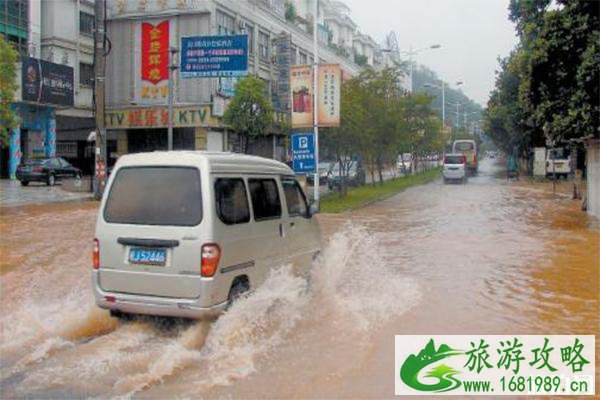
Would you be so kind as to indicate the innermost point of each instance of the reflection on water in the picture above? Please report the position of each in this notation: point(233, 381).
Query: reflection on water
point(490, 257)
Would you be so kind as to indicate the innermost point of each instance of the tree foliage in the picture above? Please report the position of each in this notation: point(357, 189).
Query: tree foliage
point(378, 122)
point(250, 112)
point(8, 86)
point(549, 86)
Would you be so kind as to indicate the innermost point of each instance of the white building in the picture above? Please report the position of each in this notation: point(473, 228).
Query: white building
point(133, 114)
point(593, 177)
point(58, 32)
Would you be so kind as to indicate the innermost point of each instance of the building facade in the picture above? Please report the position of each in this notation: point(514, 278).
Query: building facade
point(55, 78)
point(137, 110)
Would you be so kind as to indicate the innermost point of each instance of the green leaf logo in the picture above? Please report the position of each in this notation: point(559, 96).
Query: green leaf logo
point(409, 372)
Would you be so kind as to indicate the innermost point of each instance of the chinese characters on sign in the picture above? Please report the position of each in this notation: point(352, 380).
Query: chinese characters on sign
point(301, 87)
point(45, 82)
point(214, 56)
point(330, 80)
point(303, 153)
point(154, 62)
point(505, 365)
point(158, 117)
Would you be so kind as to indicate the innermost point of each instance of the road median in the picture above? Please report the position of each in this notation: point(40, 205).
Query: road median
point(368, 194)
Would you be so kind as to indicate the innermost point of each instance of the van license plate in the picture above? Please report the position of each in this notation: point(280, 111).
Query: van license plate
point(148, 256)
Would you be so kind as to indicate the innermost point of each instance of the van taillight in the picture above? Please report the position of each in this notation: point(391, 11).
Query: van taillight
point(211, 254)
point(96, 254)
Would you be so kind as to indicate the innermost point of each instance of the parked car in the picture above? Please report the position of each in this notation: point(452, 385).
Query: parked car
point(404, 163)
point(324, 170)
point(469, 149)
point(455, 168)
point(48, 170)
point(176, 236)
point(355, 175)
point(558, 162)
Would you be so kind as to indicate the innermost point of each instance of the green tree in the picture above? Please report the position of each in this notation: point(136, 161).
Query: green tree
point(250, 112)
point(8, 86)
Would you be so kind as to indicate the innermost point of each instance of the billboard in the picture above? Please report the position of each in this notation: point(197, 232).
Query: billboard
point(329, 81)
point(301, 89)
point(153, 40)
point(46, 83)
point(214, 56)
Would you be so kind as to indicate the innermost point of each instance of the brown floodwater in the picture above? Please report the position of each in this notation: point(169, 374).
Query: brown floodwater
point(490, 257)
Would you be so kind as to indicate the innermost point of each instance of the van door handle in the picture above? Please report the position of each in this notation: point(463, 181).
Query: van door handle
point(292, 224)
point(281, 230)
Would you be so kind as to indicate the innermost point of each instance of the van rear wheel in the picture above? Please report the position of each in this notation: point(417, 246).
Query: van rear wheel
point(238, 289)
point(121, 316)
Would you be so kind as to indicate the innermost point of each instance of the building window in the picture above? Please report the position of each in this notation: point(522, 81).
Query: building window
point(86, 74)
point(294, 53)
point(303, 58)
point(225, 24)
point(14, 23)
point(86, 23)
point(249, 30)
point(263, 46)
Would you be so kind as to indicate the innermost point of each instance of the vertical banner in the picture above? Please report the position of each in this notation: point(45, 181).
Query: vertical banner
point(152, 83)
point(301, 83)
point(329, 81)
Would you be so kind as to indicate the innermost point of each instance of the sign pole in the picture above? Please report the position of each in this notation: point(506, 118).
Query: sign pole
point(100, 167)
point(172, 68)
point(316, 100)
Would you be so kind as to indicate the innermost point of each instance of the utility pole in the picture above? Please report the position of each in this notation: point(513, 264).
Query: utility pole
point(316, 99)
point(99, 84)
point(172, 68)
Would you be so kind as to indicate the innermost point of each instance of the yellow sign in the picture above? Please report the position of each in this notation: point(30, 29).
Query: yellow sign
point(158, 117)
point(330, 80)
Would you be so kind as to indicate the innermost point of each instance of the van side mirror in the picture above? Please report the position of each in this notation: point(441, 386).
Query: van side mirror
point(313, 209)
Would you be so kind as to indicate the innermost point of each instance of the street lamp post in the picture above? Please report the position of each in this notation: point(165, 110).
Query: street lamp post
point(315, 100)
point(443, 87)
point(411, 53)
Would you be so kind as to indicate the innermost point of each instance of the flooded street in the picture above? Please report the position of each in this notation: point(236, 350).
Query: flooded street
point(490, 257)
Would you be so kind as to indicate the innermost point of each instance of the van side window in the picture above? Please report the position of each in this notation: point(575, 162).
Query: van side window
point(265, 198)
point(294, 197)
point(231, 201)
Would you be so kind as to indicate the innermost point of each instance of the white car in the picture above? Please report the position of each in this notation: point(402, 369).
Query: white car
point(558, 162)
point(404, 163)
point(455, 168)
point(184, 233)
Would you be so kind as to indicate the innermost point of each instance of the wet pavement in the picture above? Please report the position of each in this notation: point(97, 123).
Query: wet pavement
point(13, 194)
point(489, 257)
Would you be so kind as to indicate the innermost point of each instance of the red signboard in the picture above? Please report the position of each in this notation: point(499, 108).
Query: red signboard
point(155, 52)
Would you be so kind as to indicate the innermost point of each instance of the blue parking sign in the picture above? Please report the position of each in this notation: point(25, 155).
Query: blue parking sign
point(303, 153)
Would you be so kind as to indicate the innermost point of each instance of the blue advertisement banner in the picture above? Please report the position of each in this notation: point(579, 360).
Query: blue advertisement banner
point(214, 56)
point(303, 153)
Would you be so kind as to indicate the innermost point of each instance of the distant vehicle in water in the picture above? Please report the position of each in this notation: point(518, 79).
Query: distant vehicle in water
point(455, 168)
point(355, 175)
point(469, 149)
point(324, 172)
point(558, 162)
point(184, 234)
point(48, 170)
point(404, 163)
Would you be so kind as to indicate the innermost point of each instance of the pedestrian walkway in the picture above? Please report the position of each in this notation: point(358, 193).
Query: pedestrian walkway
point(13, 194)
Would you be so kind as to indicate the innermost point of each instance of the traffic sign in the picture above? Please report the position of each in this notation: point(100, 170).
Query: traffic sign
point(303, 153)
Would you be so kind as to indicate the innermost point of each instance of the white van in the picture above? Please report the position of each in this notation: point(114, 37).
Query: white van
point(184, 233)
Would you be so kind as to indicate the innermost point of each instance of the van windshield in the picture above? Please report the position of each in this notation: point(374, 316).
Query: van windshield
point(155, 196)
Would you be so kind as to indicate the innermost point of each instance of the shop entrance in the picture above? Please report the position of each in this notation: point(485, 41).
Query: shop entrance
point(143, 140)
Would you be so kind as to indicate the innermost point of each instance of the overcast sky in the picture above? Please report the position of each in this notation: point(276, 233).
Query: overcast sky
point(472, 33)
